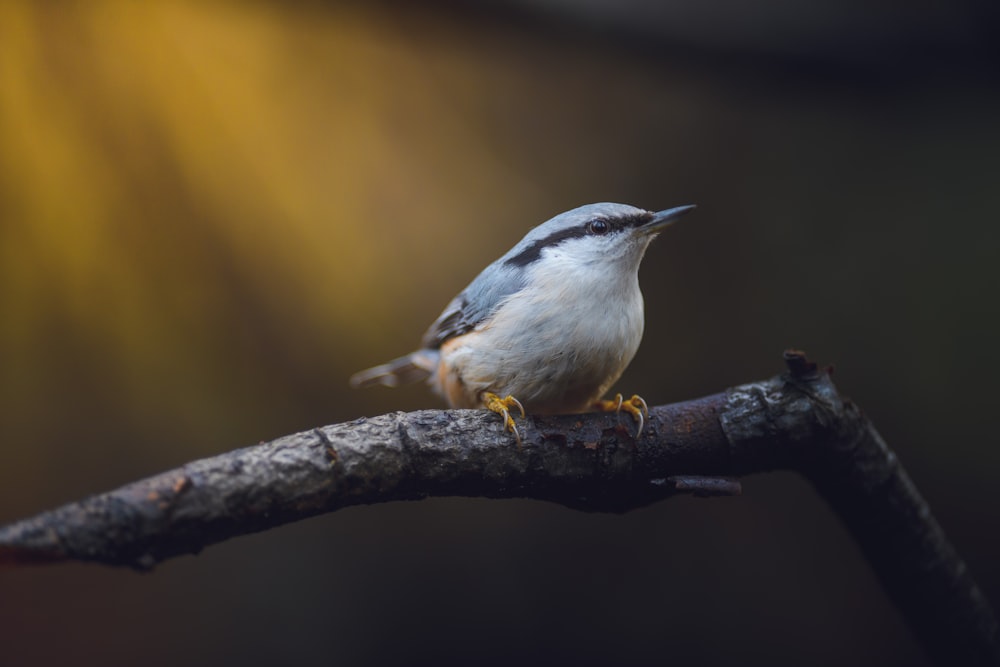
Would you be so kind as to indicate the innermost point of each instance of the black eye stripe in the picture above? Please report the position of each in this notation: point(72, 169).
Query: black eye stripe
point(534, 251)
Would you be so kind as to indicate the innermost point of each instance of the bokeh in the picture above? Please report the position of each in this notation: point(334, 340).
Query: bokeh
point(211, 214)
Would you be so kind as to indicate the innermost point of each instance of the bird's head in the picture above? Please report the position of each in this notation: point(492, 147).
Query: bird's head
point(595, 235)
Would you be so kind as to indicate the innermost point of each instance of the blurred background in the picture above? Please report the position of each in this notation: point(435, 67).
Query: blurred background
point(211, 214)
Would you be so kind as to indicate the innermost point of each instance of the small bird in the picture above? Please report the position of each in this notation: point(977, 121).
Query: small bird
point(549, 327)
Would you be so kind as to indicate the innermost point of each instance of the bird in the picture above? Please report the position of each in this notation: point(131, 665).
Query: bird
point(548, 327)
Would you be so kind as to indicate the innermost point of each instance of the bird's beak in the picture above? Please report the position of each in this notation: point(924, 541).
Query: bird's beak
point(661, 219)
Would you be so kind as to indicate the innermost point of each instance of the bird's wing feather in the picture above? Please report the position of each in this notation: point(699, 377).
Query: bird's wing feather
point(475, 303)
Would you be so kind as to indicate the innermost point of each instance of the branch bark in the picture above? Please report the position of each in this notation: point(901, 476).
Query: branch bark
point(796, 421)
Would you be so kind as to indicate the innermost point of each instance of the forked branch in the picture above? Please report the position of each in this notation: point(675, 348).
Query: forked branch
point(796, 421)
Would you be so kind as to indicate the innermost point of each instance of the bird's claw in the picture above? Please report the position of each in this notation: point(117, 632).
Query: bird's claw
point(502, 407)
point(635, 406)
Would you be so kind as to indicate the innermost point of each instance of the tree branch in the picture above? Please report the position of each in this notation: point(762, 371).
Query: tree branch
point(796, 421)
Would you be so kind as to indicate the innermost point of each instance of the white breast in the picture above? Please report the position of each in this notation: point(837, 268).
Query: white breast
point(558, 345)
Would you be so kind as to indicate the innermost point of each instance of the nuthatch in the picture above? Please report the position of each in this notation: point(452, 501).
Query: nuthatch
point(550, 326)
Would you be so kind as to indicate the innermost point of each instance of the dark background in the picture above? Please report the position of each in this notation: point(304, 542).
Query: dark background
point(211, 214)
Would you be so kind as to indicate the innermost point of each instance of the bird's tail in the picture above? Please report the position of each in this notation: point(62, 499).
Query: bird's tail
point(412, 368)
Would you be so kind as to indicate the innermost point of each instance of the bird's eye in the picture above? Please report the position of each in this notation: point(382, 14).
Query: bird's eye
point(599, 227)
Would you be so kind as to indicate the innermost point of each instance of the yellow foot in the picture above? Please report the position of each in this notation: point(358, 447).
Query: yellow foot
point(502, 407)
point(635, 406)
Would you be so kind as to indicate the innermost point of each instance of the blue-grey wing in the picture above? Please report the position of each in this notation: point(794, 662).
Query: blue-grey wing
point(475, 303)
